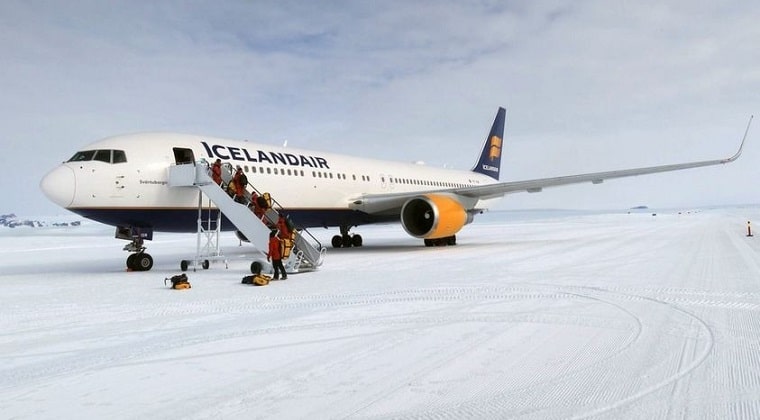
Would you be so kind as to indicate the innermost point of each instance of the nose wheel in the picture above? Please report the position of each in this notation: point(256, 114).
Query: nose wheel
point(139, 262)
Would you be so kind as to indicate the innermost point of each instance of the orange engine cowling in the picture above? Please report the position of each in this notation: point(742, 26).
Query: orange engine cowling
point(433, 216)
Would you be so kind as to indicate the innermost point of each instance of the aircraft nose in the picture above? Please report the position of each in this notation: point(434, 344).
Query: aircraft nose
point(59, 185)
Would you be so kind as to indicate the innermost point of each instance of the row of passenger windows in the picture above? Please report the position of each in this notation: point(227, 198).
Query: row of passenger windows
point(407, 181)
point(107, 156)
point(300, 172)
point(363, 178)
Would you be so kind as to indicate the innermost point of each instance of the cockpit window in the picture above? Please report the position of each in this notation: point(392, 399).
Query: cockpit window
point(107, 156)
point(103, 156)
point(119, 156)
point(82, 156)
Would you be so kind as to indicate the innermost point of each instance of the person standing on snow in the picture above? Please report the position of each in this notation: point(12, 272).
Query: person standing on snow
point(275, 255)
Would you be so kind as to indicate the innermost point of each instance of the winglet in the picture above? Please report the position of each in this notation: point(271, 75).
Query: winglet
point(741, 146)
point(489, 162)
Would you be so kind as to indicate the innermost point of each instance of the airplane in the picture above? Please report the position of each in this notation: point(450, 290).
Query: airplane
point(122, 181)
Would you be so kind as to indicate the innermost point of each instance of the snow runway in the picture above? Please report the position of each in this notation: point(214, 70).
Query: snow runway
point(564, 316)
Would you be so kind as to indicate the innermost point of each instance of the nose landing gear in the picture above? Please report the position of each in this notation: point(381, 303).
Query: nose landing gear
point(138, 260)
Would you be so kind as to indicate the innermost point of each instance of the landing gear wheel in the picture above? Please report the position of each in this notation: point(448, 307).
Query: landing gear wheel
point(205, 264)
point(337, 241)
point(131, 261)
point(143, 262)
point(256, 267)
point(183, 265)
point(356, 240)
point(447, 241)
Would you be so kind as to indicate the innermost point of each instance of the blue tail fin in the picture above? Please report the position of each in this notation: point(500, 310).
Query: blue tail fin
point(490, 158)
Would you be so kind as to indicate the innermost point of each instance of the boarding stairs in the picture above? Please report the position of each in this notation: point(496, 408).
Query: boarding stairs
point(310, 251)
point(307, 254)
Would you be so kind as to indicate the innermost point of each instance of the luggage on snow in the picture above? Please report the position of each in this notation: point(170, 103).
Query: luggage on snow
point(257, 280)
point(179, 281)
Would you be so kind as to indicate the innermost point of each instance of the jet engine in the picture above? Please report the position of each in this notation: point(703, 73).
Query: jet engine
point(434, 216)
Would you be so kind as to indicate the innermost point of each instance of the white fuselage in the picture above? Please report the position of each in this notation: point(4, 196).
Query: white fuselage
point(317, 188)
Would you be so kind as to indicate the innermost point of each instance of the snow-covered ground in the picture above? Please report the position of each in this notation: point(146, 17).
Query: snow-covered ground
point(561, 316)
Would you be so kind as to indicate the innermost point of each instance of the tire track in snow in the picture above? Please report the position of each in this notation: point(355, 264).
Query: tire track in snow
point(500, 403)
point(682, 370)
point(394, 329)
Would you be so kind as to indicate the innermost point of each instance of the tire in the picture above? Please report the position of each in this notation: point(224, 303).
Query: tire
point(256, 267)
point(143, 262)
point(356, 240)
point(337, 241)
point(428, 242)
point(183, 265)
point(131, 261)
point(205, 264)
point(451, 240)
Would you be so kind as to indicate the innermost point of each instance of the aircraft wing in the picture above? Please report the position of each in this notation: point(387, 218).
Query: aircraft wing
point(384, 203)
point(536, 185)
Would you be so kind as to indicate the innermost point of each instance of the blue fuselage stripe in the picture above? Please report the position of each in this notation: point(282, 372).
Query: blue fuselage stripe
point(185, 220)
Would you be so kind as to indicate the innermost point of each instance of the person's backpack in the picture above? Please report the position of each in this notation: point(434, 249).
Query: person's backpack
point(179, 281)
point(267, 200)
point(286, 246)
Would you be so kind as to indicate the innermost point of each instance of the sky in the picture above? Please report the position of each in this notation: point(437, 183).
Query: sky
point(588, 86)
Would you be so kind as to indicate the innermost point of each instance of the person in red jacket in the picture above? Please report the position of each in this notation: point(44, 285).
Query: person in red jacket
point(241, 182)
point(216, 172)
point(282, 226)
point(275, 255)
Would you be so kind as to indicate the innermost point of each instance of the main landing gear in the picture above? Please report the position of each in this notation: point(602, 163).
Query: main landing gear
point(345, 239)
point(447, 241)
point(139, 260)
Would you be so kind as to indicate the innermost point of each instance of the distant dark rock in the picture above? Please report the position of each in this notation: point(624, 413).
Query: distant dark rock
point(12, 221)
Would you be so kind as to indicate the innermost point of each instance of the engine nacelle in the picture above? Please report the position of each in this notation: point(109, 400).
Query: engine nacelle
point(433, 216)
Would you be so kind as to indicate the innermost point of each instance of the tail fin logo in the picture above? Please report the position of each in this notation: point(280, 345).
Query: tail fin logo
point(489, 162)
point(495, 150)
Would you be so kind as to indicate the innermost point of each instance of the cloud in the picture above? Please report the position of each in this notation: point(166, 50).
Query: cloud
point(589, 85)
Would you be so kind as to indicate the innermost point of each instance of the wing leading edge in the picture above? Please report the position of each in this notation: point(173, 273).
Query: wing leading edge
point(383, 203)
